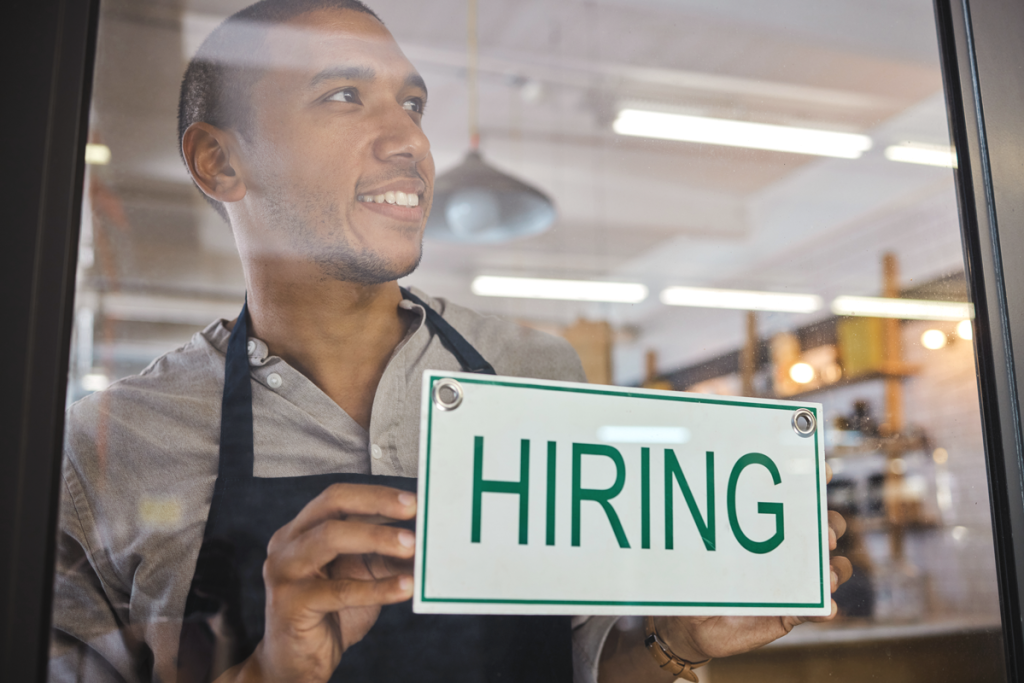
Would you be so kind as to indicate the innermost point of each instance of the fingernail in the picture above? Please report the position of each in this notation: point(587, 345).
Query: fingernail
point(405, 582)
point(406, 538)
point(835, 580)
point(406, 498)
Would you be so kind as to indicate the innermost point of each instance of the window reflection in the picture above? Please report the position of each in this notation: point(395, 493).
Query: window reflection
point(727, 176)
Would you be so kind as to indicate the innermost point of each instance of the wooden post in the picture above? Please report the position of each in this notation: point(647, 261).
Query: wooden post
point(748, 356)
point(893, 425)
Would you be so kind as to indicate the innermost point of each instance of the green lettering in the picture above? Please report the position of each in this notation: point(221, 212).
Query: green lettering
point(706, 528)
point(645, 497)
point(759, 547)
point(551, 494)
point(520, 488)
point(600, 496)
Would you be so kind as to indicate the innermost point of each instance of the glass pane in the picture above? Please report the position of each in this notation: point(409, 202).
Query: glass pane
point(747, 172)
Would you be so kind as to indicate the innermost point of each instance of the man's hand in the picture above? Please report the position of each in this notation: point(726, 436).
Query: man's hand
point(624, 657)
point(327, 574)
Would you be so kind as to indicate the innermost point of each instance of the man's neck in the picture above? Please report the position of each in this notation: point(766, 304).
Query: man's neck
point(338, 334)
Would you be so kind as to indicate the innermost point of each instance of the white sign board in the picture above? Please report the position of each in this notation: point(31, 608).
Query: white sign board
point(539, 497)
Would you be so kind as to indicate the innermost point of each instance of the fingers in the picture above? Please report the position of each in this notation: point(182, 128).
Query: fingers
point(325, 595)
point(828, 473)
point(341, 500)
point(307, 554)
point(843, 569)
point(837, 526)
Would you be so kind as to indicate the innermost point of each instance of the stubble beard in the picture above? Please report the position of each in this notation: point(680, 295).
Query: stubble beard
point(324, 241)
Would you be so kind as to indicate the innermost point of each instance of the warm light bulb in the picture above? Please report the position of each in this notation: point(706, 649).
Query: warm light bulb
point(933, 339)
point(964, 330)
point(801, 373)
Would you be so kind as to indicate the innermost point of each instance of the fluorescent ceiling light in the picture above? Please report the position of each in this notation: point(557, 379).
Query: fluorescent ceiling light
point(907, 309)
point(740, 299)
point(631, 434)
point(570, 290)
point(652, 124)
point(96, 154)
point(918, 153)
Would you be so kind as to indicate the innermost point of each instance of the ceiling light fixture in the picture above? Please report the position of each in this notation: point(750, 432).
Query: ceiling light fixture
point(703, 297)
point(965, 330)
point(906, 309)
point(97, 154)
point(933, 339)
point(567, 290)
point(919, 153)
point(801, 373)
point(474, 203)
point(653, 124)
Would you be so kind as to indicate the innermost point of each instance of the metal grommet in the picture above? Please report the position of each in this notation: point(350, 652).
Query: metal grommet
point(447, 394)
point(804, 422)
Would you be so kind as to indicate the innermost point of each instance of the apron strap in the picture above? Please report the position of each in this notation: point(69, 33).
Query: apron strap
point(236, 444)
point(468, 357)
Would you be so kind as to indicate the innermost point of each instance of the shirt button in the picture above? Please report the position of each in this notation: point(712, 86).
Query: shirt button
point(376, 452)
point(274, 380)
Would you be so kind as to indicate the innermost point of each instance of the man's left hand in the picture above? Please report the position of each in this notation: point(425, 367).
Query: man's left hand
point(697, 639)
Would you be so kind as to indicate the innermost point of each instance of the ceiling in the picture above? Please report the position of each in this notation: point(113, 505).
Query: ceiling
point(553, 76)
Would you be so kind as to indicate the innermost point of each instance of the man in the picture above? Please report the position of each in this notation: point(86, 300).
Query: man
point(227, 512)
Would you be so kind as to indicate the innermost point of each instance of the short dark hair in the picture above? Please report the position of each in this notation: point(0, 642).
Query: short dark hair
point(219, 78)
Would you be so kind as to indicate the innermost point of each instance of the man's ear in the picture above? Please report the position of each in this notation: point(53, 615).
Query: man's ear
point(208, 153)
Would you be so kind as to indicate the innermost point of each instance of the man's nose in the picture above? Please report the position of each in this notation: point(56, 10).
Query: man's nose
point(401, 137)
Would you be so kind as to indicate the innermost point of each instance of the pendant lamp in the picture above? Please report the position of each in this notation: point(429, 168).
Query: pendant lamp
point(475, 203)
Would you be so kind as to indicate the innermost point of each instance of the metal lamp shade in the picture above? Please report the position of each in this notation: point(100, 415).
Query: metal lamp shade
point(477, 204)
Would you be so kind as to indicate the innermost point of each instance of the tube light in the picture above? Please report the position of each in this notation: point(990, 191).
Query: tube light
point(652, 124)
point(906, 309)
point(631, 434)
point(740, 299)
point(918, 153)
point(97, 154)
point(569, 290)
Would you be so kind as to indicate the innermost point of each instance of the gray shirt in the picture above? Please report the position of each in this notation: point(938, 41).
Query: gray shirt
point(141, 461)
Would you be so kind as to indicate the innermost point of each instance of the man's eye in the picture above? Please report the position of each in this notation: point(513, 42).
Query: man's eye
point(415, 104)
point(346, 95)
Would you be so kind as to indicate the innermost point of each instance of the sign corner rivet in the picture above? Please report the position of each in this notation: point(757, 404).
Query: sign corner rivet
point(447, 394)
point(804, 422)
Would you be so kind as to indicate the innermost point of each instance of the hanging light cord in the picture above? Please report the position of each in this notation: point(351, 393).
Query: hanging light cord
point(471, 76)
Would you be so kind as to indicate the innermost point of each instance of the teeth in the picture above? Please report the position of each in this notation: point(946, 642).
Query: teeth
point(396, 197)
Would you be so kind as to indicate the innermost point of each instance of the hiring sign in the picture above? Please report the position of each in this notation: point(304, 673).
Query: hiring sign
point(540, 497)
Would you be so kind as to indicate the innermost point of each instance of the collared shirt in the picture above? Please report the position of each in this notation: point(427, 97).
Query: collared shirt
point(141, 460)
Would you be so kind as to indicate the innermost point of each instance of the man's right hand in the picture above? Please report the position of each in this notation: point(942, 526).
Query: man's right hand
point(327, 574)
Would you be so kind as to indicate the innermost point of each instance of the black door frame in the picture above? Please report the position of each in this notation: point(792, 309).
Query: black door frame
point(50, 70)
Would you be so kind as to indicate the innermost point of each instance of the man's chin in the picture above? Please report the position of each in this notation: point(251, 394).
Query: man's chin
point(369, 268)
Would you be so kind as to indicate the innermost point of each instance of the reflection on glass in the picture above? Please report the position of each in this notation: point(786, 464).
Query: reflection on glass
point(752, 199)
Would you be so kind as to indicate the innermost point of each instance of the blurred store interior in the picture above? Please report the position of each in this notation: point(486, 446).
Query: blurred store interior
point(556, 84)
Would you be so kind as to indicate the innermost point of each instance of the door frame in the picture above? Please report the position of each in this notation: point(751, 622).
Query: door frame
point(52, 60)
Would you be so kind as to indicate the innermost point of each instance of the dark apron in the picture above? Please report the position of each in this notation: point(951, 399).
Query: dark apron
point(224, 612)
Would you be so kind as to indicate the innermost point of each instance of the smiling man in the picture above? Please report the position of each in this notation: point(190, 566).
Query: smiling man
point(236, 511)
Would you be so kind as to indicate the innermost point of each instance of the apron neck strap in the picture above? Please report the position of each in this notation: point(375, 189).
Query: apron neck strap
point(468, 357)
point(236, 443)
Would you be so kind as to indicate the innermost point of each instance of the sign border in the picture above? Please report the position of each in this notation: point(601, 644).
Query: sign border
point(660, 396)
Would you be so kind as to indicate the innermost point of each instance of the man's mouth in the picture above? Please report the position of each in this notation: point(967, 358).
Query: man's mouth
point(390, 197)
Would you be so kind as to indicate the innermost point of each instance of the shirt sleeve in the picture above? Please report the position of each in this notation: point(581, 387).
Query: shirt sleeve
point(88, 640)
point(588, 636)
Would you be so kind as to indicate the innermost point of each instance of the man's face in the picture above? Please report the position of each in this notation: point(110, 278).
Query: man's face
point(338, 170)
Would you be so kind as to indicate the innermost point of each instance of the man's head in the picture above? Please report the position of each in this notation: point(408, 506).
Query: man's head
point(295, 116)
